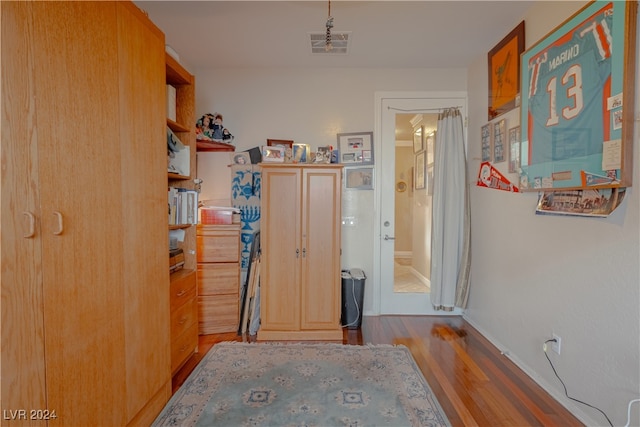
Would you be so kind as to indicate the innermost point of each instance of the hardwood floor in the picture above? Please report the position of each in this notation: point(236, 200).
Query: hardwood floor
point(474, 383)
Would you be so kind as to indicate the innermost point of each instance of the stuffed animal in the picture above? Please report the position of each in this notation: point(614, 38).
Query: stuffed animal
point(210, 128)
point(217, 127)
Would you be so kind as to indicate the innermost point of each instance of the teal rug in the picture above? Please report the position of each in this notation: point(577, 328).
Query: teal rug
point(269, 384)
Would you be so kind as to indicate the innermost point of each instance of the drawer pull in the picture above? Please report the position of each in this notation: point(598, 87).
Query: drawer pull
point(183, 320)
point(181, 293)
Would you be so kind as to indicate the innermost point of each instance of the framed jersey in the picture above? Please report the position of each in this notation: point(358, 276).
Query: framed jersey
point(577, 101)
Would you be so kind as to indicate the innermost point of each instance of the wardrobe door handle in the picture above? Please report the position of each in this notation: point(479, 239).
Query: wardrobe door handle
point(60, 229)
point(32, 225)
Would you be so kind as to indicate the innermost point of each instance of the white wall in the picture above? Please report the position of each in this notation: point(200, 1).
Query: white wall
point(578, 277)
point(311, 106)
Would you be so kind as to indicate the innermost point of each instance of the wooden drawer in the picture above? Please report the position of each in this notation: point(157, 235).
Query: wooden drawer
point(218, 313)
point(183, 288)
point(218, 243)
point(183, 347)
point(183, 317)
point(216, 279)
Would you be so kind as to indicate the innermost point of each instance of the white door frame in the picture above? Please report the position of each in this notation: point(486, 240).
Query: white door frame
point(406, 304)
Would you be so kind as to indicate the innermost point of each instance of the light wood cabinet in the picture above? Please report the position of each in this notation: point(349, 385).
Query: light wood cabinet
point(184, 309)
point(300, 264)
point(218, 278)
point(85, 316)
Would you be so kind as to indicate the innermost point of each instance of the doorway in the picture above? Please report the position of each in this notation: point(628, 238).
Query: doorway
point(391, 107)
point(412, 245)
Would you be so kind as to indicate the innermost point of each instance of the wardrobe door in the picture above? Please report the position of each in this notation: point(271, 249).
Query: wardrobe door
point(23, 364)
point(281, 248)
point(80, 179)
point(321, 225)
point(144, 262)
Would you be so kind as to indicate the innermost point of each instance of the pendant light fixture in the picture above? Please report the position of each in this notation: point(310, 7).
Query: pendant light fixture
point(328, 46)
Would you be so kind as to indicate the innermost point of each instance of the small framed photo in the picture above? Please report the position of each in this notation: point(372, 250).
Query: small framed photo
point(514, 149)
point(241, 158)
point(420, 170)
point(288, 147)
point(418, 139)
point(499, 136)
point(323, 155)
point(356, 148)
point(485, 138)
point(301, 153)
point(430, 144)
point(359, 178)
point(272, 154)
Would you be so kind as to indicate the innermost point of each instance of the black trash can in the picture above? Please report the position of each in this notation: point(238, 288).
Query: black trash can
point(352, 297)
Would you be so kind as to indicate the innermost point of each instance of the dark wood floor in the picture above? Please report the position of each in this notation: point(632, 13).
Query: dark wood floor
point(474, 383)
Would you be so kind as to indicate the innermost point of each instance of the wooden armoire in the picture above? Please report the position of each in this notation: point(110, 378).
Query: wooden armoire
point(85, 302)
point(300, 224)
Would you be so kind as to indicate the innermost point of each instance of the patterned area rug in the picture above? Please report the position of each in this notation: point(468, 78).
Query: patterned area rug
point(269, 384)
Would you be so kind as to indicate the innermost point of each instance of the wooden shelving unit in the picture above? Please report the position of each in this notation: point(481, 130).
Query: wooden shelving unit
point(183, 287)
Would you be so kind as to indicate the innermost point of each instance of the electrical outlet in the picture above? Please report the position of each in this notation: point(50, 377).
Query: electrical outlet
point(349, 221)
point(556, 345)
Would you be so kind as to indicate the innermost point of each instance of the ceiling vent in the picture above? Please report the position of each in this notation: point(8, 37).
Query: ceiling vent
point(339, 42)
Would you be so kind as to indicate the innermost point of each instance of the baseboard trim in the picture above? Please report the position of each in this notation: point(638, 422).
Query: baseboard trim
point(559, 397)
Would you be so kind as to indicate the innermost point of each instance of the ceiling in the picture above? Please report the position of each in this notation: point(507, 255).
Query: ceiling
point(384, 34)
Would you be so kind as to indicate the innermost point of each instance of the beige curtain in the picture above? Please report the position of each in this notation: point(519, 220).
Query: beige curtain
point(451, 219)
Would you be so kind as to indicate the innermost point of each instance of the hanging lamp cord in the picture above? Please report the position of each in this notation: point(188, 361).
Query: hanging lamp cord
point(328, 45)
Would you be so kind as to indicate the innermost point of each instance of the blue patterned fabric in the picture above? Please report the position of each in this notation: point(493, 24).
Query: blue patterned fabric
point(245, 196)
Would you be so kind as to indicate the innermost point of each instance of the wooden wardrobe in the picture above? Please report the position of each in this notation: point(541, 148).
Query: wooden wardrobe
point(300, 228)
point(85, 306)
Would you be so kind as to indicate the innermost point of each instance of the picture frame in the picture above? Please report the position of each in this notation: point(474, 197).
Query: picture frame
point(301, 153)
point(568, 142)
point(242, 158)
point(485, 140)
point(504, 72)
point(430, 145)
point(514, 149)
point(288, 147)
point(356, 148)
point(323, 155)
point(420, 171)
point(418, 139)
point(499, 137)
point(358, 178)
point(272, 154)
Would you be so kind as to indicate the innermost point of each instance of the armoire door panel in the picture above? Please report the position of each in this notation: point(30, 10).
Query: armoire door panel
point(280, 239)
point(23, 354)
point(80, 177)
point(321, 268)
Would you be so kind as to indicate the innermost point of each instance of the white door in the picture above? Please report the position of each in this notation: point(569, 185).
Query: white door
point(388, 105)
